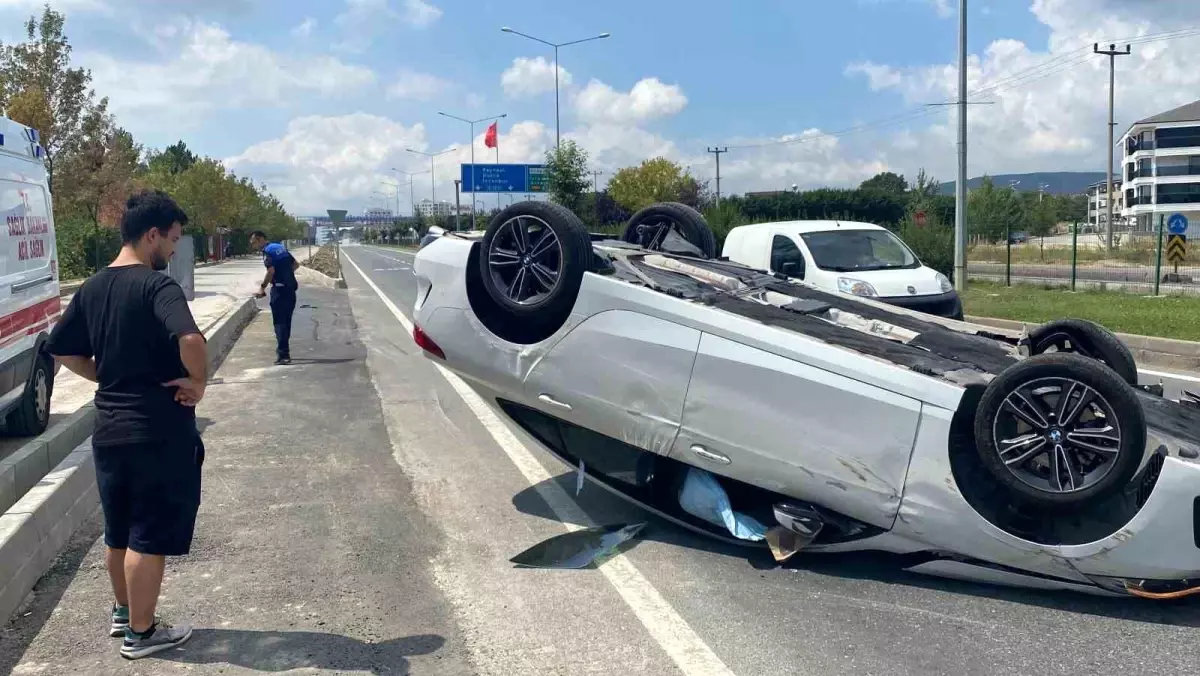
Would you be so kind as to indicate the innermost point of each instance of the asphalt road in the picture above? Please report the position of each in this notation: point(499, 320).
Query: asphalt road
point(678, 603)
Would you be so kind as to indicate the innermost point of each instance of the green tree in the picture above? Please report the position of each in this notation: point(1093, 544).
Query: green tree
point(175, 159)
point(96, 174)
point(655, 180)
point(38, 87)
point(992, 212)
point(567, 173)
point(886, 182)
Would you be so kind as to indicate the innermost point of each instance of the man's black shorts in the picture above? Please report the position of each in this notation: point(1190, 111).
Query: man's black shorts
point(150, 494)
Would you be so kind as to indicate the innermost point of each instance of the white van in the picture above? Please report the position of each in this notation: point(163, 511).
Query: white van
point(845, 257)
point(29, 293)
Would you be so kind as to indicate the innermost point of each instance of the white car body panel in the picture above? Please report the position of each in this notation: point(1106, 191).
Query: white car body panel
point(790, 413)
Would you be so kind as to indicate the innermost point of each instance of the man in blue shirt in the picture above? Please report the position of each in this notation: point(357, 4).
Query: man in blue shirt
point(281, 277)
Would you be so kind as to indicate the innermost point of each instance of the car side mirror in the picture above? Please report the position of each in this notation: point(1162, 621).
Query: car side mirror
point(793, 269)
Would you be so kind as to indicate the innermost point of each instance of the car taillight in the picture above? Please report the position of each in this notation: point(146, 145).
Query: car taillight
point(426, 343)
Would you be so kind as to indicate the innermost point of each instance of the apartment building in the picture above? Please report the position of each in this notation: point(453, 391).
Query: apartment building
point(1097, 194)
point(428, 208)
point(1161, 167)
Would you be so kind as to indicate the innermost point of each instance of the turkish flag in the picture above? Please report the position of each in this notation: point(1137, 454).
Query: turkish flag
point(489, 139)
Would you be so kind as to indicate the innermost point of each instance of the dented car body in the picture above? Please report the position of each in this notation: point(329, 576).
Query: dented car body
point(858, 411)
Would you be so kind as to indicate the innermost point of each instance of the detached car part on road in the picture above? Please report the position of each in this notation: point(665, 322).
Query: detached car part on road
point(1033, 460)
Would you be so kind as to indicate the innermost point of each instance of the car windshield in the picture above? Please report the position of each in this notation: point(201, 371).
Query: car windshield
point(850, 250)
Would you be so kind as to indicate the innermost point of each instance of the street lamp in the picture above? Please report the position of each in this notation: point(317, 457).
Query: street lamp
point(473, 123)
point(411, 196)
point(557, 128)
point(432, 196)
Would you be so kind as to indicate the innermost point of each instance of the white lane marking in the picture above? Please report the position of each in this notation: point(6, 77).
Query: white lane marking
point(1168, 375)
point(672, 633)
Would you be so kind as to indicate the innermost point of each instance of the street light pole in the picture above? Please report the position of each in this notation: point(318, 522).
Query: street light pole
point(557, 124)
point(432, 177)
point(473, 123)
point(960, 186)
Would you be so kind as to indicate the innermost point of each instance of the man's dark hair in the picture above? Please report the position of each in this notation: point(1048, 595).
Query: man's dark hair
point(149, 209)
point(258, 233)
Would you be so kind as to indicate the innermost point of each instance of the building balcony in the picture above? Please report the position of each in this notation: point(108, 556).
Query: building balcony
point(1178, 170)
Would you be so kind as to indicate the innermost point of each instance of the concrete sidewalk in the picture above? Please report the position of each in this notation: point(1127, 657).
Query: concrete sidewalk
point(311, 555)
point(219, 289)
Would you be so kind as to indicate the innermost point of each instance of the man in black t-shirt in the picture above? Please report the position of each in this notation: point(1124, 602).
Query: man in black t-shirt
point(281, 277)
point(129, 330)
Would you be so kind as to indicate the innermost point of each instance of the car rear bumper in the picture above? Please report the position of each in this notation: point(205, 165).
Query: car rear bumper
point(943, 304)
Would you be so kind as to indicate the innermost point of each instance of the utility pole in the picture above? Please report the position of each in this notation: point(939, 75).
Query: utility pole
point(960, 186)
point(717, 152)
point(596, 194)
point(457, 204)
point(1112, 53)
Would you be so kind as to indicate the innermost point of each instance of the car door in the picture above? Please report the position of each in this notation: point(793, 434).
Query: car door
point(786, 257)
point(796, 429)
point(620, 374)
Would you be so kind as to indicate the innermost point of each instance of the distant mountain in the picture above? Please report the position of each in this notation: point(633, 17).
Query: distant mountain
point(1056, 182)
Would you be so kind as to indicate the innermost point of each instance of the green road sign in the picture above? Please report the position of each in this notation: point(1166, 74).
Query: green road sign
point(538, 180)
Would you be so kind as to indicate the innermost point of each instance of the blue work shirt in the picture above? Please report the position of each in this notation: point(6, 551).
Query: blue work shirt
point(276, 256)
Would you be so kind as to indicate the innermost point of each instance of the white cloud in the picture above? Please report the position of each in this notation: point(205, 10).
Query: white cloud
point(1044, 117)
point(200, 68)
point(420, 14)
point(943, 8)
point(417, 86)
point(310, 174)
point(59, 5)
point(528, 77)
point(305, 28)
point(360, 14)
point(647, 100)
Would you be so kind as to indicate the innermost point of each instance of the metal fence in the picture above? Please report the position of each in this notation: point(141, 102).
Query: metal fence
point(1138, 262)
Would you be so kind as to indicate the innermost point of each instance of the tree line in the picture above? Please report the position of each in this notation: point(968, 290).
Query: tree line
point(94, 164)
point(917, 211)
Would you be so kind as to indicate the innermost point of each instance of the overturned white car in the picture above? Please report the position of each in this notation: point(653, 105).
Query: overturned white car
point(844, 423)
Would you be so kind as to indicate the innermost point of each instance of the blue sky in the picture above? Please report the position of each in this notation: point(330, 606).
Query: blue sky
point(320, 98)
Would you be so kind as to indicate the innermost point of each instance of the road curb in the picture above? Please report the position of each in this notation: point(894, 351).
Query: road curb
point(311, 276)
point(35, 527)
point(1168, 353)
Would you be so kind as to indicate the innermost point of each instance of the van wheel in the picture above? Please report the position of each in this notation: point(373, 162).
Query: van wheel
point(661, 227)
point(1086, 339)
point(31, 417)
point(532, 261)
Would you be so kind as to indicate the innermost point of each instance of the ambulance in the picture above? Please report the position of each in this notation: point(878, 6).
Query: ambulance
point(29, 287)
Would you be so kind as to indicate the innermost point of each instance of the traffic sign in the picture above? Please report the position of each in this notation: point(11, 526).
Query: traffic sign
point(526, 178)
point(1177, 249)
point(1177, 224)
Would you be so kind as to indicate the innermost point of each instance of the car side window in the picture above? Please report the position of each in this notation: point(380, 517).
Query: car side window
point(783, 252)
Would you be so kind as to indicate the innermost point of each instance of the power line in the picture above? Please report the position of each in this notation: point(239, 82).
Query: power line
point(1047, 68)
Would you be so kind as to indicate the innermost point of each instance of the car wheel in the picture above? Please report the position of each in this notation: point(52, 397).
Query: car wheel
point(32, 415)
point(659, 227)
point(533, 258)
point(1060, 430)
point(1086, 339)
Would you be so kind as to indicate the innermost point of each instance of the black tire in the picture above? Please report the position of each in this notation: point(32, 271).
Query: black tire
point(645, 228)
point(1031, 474)
point(32, 415)
point(1086, 339)
point(516, 273)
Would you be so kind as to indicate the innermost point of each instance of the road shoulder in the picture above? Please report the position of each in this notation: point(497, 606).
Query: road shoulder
point(310, 552)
